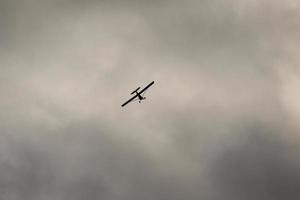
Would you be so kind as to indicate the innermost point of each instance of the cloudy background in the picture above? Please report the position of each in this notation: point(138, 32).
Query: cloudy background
point(221, 122)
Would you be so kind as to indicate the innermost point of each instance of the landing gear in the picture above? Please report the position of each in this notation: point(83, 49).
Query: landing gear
point(142, 99)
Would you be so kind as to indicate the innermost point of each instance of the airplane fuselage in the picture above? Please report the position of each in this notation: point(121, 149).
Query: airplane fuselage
point(140, 96)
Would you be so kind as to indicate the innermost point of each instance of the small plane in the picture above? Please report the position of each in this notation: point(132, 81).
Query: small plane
point(138, 94)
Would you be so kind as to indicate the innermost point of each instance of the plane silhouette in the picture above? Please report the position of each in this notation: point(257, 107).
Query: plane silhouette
point(138, 94)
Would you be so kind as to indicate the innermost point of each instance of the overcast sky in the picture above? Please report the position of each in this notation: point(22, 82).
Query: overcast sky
point(221, 121)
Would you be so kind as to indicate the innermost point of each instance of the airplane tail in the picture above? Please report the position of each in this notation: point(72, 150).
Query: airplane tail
point(135, 90)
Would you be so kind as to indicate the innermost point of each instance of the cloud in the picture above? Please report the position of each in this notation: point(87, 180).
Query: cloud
point(220, 122)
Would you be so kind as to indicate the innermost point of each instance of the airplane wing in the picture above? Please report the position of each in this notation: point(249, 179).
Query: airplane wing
point(124, 104)
point(143, 90)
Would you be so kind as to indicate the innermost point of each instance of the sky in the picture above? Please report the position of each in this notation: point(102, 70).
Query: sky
point(220, 122)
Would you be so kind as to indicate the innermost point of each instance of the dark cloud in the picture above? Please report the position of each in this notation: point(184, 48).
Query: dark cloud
point(260, 166)
point(220, 122)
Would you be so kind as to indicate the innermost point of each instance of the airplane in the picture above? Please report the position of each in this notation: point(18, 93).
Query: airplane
point(138, 94)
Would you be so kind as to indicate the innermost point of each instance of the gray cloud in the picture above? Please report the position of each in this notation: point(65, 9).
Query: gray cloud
point(221, 121)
